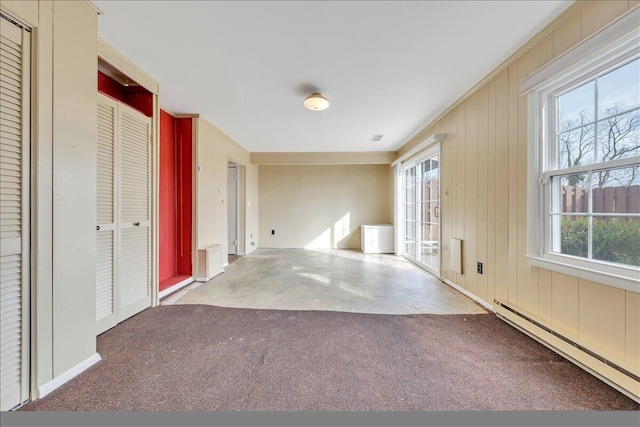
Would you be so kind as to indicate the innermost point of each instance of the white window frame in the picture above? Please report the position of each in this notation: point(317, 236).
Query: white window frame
point(614, 45)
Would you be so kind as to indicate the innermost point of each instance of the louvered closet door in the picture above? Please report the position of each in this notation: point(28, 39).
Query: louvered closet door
point(14, 214)
point(123, 266)
point(106, 291)
point(134, 260)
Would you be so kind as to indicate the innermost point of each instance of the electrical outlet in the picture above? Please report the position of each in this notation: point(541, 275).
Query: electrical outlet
point(273, 231)
point(479, 268)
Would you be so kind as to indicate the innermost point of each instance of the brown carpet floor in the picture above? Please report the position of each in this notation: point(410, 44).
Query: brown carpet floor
point(206, 358)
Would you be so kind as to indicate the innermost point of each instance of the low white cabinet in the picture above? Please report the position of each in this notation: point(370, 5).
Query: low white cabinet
point(377, 239)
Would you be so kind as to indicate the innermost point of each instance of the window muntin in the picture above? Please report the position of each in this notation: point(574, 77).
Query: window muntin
point(593, 167)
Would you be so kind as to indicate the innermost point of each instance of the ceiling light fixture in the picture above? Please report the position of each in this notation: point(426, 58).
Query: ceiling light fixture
point(316, 102)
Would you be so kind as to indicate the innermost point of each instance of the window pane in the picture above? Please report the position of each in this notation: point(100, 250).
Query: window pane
point(574, 235)
point(424, 230)
point(616, 190)
point(410, 231)
point(573, 195)
point(619, 136)
point(410, 247)
point(575, 108)
point(430, 189)
point(619, 90)
point(576, 147)
point(429, 232)
point(418, 172)
point(409, 176)
point(410, 212)
point(617, 239)
point(422, 211)
point(431, 168)
point(409, 194)
point(428, 253)
point(424, 190)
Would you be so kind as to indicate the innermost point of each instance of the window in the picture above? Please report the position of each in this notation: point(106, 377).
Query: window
point(584, 164)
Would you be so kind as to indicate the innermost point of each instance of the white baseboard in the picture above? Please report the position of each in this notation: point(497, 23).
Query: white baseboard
point(47, 388)
point(469, 294)
point(175, 287)
point(226, 264)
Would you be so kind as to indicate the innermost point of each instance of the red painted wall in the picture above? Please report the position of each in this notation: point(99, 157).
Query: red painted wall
point(175, 196)
point(184, 140)
point(140, 99)
point(136, 97)
point(110, 87)
point(168, 225)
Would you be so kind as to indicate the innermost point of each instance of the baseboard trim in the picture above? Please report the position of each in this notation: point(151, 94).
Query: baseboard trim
point(175, 288)
point(47, 388)
point(469, 294)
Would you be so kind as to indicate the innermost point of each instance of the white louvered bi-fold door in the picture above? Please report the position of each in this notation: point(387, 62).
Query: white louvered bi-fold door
point(134, 260)
point(123, 271)
point(106, 289)
point(14, 213)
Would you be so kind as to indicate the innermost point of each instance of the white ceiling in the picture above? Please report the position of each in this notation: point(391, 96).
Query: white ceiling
point(386, 67)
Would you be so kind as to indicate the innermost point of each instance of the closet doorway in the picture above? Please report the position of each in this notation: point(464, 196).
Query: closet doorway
point(175, 202)
point(236, 209)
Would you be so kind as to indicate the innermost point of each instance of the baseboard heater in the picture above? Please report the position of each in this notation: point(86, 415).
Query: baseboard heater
point(209, 263)
point(499, 306)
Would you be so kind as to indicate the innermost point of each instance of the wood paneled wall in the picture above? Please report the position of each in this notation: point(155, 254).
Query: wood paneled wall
point(484, 202)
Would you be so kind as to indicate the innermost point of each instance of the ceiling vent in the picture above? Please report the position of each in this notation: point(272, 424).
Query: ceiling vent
point(377, 137)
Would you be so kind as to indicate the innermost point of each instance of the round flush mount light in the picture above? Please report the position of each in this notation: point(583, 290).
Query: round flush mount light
point(316, 102)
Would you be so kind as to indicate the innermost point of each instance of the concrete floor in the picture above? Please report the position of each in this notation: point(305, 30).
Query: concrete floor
point(331, 280)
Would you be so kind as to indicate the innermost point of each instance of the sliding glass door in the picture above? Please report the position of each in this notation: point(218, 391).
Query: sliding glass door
point(421, 183)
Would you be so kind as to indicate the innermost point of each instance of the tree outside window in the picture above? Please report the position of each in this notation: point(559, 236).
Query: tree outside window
point(595, 195)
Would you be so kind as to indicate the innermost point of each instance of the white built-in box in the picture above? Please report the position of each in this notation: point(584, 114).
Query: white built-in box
point(377, 238)
point(456, 255)
point(209, 263)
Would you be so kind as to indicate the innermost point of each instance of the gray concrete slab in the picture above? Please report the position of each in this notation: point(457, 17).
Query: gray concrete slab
point(332, 280)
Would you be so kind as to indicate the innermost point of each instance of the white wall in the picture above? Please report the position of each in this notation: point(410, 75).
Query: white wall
point(322, 206)
point(64, 170)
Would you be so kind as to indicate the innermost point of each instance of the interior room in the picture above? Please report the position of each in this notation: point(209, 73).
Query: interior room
point(320, 206)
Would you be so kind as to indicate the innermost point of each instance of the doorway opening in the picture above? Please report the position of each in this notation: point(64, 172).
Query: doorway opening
point(232, 206)
point(235, 210)
point(421, 210)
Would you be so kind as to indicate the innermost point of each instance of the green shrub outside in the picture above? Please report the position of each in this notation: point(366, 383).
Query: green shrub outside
point(614, 239)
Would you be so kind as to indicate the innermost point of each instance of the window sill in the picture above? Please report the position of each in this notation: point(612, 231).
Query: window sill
point(566, 265)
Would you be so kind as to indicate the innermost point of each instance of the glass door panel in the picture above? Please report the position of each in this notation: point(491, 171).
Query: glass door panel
point(409, 177)
point(421, 212)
